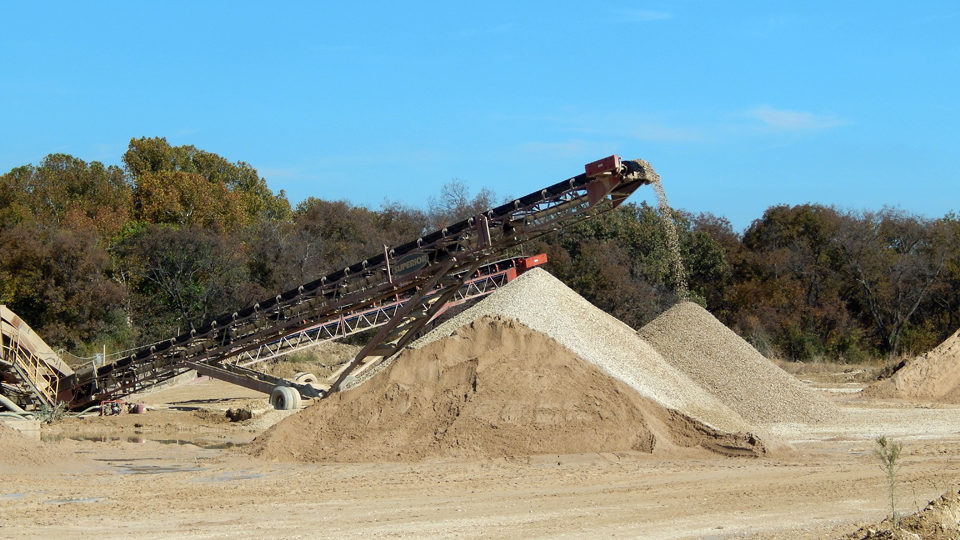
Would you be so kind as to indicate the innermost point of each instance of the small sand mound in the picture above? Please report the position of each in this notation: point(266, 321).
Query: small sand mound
point(494, 389)
point(934, 376)
point(939, 520)
point(714, 356)
point(543, 303)
point(18, 452)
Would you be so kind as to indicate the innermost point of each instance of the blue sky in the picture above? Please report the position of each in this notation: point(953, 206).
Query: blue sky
point(738, 105)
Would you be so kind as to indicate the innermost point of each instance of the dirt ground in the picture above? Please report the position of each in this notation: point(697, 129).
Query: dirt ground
point(175, 471)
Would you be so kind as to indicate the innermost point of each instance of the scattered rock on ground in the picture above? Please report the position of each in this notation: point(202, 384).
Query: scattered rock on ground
point(239, 415)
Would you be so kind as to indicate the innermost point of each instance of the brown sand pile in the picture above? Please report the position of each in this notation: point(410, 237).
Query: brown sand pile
point(939, 520)
point(934, 376)
point(714, 356)
point(543, 303)
point(18, 452)
point(494, 389)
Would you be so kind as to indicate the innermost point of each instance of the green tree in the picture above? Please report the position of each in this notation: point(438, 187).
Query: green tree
point(788, 284)
point(946, 295)
point(187, 200)
point(715, 251)
point(398, 223)
point(154, 159)
point(895, 261)
point(181, 278)
point(58, 280)
point(63, 186)
point(621, 261)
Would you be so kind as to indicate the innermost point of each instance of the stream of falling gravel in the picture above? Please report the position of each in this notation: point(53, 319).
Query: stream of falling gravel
point(673, 241)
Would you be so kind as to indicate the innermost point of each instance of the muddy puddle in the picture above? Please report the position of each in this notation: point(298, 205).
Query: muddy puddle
point(144, 466)
point(77, 500)
point(205, 443)
point(231, 477)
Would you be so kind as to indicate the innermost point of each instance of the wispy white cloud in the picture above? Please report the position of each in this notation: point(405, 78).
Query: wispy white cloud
point(643, 15)
point(786, 120)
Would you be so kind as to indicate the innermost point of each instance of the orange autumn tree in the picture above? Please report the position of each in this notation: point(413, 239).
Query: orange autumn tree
point(184, 186)
point(187, 200)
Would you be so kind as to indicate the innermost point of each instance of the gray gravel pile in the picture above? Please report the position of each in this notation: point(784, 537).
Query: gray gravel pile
point(691, 339)
point(543, 303)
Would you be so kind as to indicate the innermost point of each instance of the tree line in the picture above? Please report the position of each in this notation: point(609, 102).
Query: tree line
point(93, 254)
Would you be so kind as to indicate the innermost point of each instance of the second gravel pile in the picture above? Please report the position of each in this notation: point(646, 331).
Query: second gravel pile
point(934, 376)
point(714, 356)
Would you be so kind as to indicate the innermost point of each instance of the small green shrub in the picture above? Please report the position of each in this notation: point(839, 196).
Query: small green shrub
point(48, 414)
point(888, 452)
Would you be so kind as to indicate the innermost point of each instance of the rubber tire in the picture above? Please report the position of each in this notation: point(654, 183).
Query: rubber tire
point(285, 398)
point(303, 377)
point(278, 397)
point(293, 399)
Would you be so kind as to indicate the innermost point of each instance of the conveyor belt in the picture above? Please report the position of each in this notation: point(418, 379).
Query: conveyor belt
point(440, 261)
